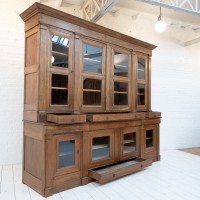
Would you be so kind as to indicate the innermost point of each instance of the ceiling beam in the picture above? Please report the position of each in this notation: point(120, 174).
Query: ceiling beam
point(191, 6)
point(191, 42)
point(93, 10)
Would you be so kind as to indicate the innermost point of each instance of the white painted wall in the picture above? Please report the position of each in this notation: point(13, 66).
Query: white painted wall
point(175, 79)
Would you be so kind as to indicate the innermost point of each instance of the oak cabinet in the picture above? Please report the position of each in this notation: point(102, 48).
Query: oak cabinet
point(87, 102)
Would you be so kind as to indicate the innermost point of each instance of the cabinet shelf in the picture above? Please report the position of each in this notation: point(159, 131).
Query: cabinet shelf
point(116, 92)
point(128, 149)
point(65, 154)
point(94, 147)
point(89, 90)
point(128, 141)
point(59, 88)
point(59, 53)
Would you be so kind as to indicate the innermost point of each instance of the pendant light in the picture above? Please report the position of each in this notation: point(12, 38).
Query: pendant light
point(160, 25)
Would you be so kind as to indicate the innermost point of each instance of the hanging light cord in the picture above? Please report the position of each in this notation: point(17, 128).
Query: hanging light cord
point(159, 18)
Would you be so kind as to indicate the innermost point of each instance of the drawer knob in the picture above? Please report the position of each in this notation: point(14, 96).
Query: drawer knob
point(141, 166)
point(113, 175)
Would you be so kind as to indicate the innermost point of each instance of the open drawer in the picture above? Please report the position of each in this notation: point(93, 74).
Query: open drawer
point(66, 119)
point(111, 172)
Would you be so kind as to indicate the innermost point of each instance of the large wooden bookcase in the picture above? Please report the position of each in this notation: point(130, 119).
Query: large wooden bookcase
point(87, 102)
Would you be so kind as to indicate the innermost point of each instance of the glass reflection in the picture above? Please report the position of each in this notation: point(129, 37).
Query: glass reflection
point(100, 147)
point(141, 68)
point(66, 153)
point(60, 51)
point(120, 64)
point(92, 58)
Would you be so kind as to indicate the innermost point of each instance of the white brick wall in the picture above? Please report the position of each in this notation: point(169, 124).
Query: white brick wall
point(175, 80)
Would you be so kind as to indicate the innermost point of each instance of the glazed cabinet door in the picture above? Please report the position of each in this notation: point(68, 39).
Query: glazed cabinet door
point(150, 141)
point(61, 61)
point(90, 75)
point(101, 147)
point(67, 153)
point(141, 82)
point(129, 143)
point(120, 79)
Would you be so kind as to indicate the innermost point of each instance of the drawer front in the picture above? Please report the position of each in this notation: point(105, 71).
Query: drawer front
point(66, 119)
point(109, 173)
point(115, 117)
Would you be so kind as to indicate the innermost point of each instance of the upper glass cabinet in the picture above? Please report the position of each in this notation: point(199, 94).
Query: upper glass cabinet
point(60, 51)
point(92, 59)
point(120, 79)
point(92, 75)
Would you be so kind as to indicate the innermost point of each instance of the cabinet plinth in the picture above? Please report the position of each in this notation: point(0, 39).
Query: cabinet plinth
point(87, 102)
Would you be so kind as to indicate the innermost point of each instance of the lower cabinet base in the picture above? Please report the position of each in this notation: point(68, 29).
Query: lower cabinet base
point(58, 157)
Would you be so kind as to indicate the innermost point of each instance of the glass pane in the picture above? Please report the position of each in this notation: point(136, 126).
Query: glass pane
point(66, 153)
point(141, 68)
point(120, 93)
point(120, 64)
point(91, 84)
point(60, 81)
point(59, 89)
point(60, 51)
point(129, 142)
point(149, 138)
point(91, 91)
point(141, 94)
point(91, 98)
point(92, 58)
point(100, 147)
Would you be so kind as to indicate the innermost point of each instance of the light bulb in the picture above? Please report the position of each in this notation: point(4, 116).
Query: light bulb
point(52, 59)
point(160, 26)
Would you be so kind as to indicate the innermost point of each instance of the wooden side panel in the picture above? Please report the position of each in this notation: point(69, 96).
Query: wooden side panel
point(30, 116)
point(43, 73)
point(30, 89)
point(31, 71)
point(34, 131)
point(33, 159)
